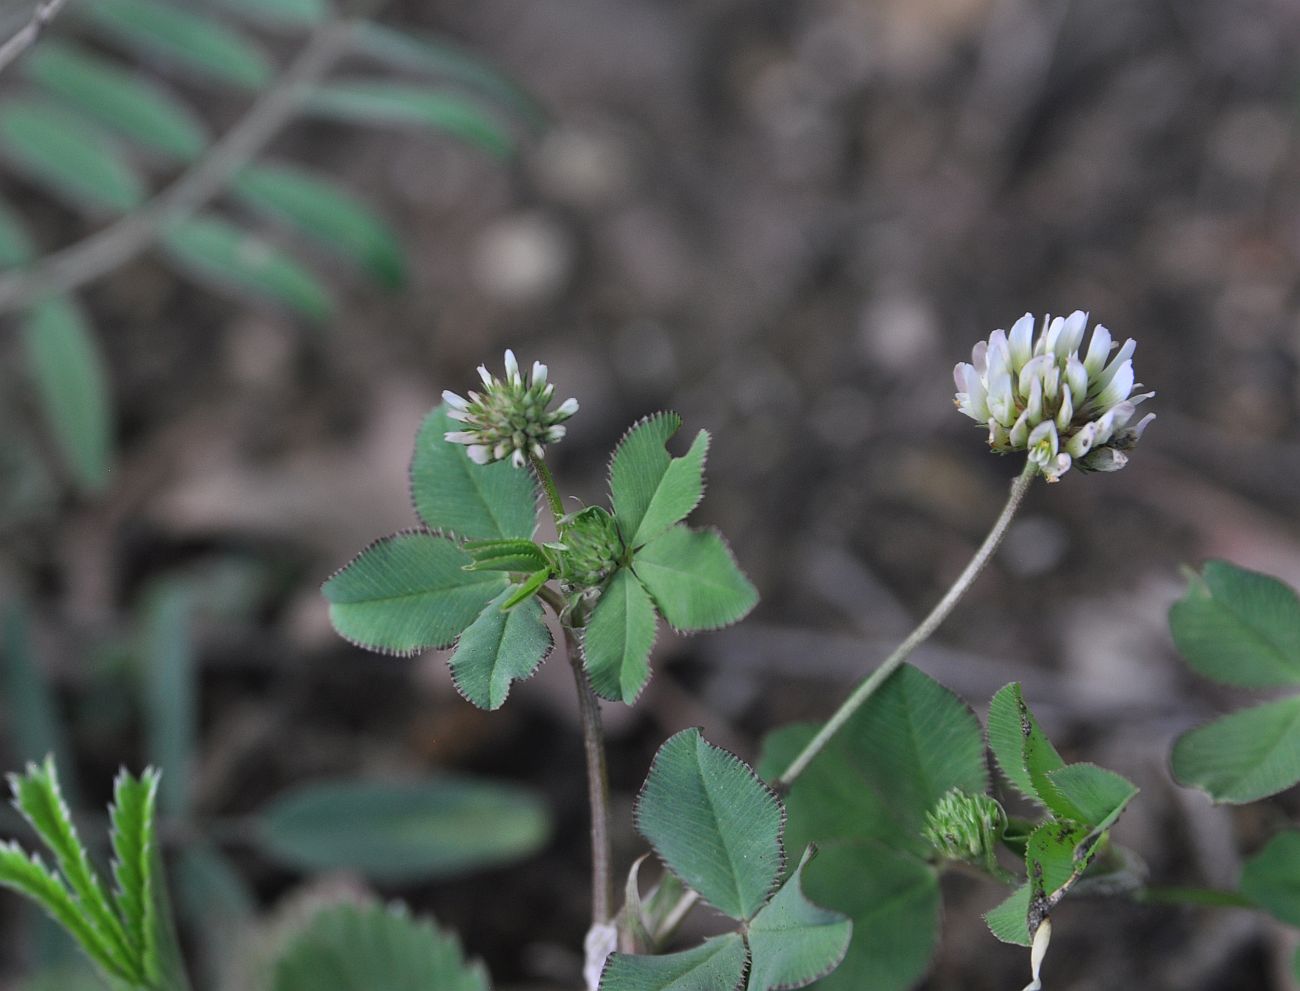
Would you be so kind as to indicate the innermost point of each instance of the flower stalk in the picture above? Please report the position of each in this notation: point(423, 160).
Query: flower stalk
point(927, 626)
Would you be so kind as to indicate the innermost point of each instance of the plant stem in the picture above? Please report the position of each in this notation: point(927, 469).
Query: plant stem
point(27, 35)
point(593, 742)
point(548, 486)
point(118, 243)
point(938, 614)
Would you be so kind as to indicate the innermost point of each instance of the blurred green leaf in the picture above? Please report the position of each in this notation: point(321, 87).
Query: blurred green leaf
point(372, 948)
point(455, 496)
point(169, 683)
point(893, 901)
point(441, 827)
point(406, 49)
point(216, 899)
point(694, 579)
point(325, 212)
point(716, 965)
point(30, 708)
point(54, 149)
point(498, 649)
point(713, 822)
point(1271, 878)
point(408, 592)
point(128, 103)
point(1239, 627)
point(652, 490)
point(792, 942)
point(15, 243)
point(189, 40)
point(71, 976)
point(221, 254)
point(280, 13)
point(380, 102)
point(1244, 756)
point(617, 639)
point(71, 380)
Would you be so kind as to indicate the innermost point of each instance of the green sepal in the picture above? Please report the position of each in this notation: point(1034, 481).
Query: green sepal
point(514, 555)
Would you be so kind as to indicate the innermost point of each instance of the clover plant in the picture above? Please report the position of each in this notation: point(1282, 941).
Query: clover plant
point(825, 858)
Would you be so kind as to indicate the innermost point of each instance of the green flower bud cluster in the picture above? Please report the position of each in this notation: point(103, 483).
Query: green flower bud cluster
point(1043, 398)
point(509, 419)
point(589, 549)
point(967, 827)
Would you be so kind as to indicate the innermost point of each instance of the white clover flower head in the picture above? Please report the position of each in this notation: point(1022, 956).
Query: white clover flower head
point(1041, 397)
point(509, 418)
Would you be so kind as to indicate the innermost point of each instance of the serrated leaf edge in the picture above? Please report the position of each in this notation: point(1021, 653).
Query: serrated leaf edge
point(726, 546)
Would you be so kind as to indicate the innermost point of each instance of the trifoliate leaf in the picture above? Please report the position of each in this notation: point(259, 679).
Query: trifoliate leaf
point(716, 965)
point(1239, 627)
point(56, 150)
point(408, 592)
point(893, 901)
point(125, 102)
point(454, 495)
point(402, 831)
point(498, 649)
point(380, 102)
point(232, 259)
point(713, 823)
point(368, 948)
point(326, 212)
point(200, 44)
point(1244, 756)
point(792, 942)
point(694, 580)
point(1020, 747)
point(71, 380)
point(1271, 878)
point(650, 489)
point(618, 637)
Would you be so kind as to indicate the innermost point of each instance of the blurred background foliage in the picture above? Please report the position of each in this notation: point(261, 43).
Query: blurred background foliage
point(245, 246)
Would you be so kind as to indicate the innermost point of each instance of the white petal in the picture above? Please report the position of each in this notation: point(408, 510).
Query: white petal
point(1076, 377)
point(1117, 390)
point(1000, 400)
point(485, 375)
point(1018, 436)
point(1045, 432)
point(460, 437)
point(479, 454)
point(1034, 404)
point(555, 434)
point(567, 408)
point(539, 375)
point(1071, 334)
point(1122, 356)
point(1050, 336)
point(518, 458)
point(1098, 349)
point(999, 355)
point(453, 400)
point(459, 415)
point(1066, 413)
point(1141, 426)
point(1081, 443)
point(979, 357)
point(512, 367)
point(1020, 341)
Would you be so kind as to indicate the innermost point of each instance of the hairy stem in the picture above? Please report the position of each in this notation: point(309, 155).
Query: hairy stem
point(937, 615)
point(548, 486)
point(593, 742)
point(104, 251)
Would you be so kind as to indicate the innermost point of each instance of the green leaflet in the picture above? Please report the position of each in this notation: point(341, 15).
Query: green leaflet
point(792, 942)
point(382, 102)
point(498, 649)
point(713, 822)
point(402, 831)
point(71, 379)
point(1056, 855)
point(694, 580)
point(716, 965)
point(366, 948)
point(893, 901)
point(1021, 749)
point(617, 640)
point(408, 50)
point(1239, 627)
point(232, 259)
point(408, 592)
point(453, 495)
point(1271, 878)
point(1094, 795)
point(56, 150)
point(125, 102)
point(651, 490)
point(202, 45)
point(325, 212)
point(1244, 756)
